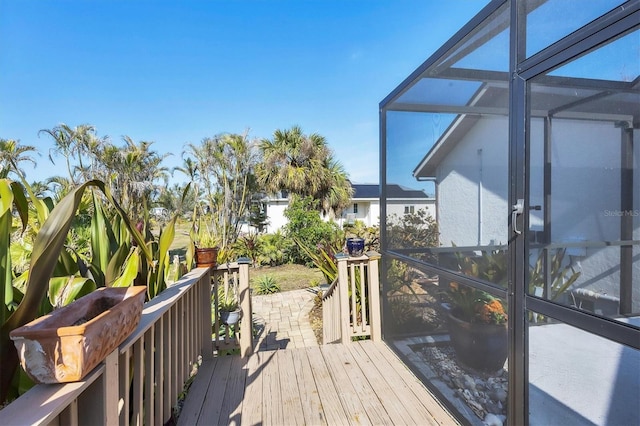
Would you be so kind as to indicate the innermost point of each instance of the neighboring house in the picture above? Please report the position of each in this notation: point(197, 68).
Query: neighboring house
point(401, 200)
point(275, 206)
point(364, 206)
point(472, 199)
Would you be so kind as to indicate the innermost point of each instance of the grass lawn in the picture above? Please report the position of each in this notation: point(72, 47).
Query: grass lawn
point(288, 277)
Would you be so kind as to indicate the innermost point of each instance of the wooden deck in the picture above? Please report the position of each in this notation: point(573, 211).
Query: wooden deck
point(361, 383)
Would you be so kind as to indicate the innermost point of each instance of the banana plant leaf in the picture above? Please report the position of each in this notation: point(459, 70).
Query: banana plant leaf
point(64, 290)
point(100, 244)
point(130, 270)
point(11, 195)
point(115, 264)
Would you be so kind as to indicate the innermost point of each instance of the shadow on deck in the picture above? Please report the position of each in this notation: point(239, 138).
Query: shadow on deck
point(360, 383)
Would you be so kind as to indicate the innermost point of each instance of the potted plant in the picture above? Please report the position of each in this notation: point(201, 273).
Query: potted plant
point(205, 246)
point(478, 328)
point(477, 320)
point(228, 308)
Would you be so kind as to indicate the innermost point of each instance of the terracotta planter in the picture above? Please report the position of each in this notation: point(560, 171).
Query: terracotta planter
point(68, 343)
point(483, 347)
point(206, 257)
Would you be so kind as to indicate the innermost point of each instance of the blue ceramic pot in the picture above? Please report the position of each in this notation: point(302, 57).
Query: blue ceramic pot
point(355, 246)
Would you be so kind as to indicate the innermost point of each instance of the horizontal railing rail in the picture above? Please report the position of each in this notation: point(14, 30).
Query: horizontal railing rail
point(139, 382)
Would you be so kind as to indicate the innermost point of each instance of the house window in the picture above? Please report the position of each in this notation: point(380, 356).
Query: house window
point(355, 208)
point(408, 209)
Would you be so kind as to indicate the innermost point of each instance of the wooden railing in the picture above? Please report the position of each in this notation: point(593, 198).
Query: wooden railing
point(351, 305)
point(232, 279)
point(139, 382)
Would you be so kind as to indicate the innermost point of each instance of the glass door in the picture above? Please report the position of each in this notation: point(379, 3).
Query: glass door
point(583, 240)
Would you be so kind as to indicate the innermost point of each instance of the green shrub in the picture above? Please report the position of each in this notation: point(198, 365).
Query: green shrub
point(267, 285)
point(307, 227)
point(271, 249)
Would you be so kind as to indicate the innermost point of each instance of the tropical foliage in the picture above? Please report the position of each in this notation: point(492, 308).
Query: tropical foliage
point(305, 225)
point(222, 167)
point(267, 284)
point(477, 306)
point(12, 153)
point(90, 226)
point(304, 165)
point(133, 171)
point(412, 230)
point(118, 253)
point(272, 249)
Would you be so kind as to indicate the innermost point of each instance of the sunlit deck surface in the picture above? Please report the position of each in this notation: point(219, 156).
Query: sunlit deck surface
point(360, 383)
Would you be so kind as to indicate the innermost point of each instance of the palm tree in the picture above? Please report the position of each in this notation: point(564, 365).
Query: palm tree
point(134, 172)
point(11, 155)
point(336, 194)
point(137, 168)
point(65, 144)
point(91, 147)
point(224, 168)
point(304, 165)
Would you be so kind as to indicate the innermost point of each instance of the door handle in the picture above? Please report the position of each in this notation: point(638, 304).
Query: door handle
point(516, 210)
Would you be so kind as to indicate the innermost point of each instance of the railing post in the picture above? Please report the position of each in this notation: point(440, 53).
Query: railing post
point(343, 291)
point(206, 344)
point(244, 294)
point(111, 388)
point(374, 296)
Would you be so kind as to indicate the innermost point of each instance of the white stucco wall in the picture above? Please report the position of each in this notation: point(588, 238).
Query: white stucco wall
point(472, 187)
point(586, 199)
point(397, 206)
point(368, 211)
point(374, 213)
point(275, 214)
point(585, 194)
point(363, 214)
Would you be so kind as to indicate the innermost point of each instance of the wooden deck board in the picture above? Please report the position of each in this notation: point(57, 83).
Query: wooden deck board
point(252, 404)
point(291, 398)
point(197, 393)
point(347, 392)
point(439, 415)
point(371, 403)
point(212, 406)
point(361, 383)
point(312, 407)
point(271, 393)
point(331, 405)
point(410, 400)
point(232, 404)
point(394, 406)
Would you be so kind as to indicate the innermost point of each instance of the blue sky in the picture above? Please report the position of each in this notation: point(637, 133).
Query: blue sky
point(175, 72)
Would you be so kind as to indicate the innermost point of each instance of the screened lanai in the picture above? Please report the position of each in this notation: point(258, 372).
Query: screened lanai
point(524, 127)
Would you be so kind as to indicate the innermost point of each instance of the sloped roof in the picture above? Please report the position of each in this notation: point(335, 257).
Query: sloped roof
point(362, 191)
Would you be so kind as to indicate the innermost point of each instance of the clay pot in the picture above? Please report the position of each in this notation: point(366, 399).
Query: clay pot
point(206, 257)
point(67, 344)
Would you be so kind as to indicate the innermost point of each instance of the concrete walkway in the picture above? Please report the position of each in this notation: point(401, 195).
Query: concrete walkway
point(282, 320)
